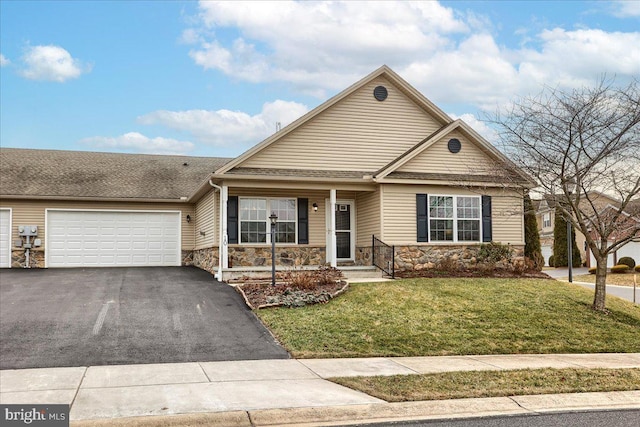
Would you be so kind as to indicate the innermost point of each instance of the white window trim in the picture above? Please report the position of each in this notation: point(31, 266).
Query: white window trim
point(268, 221)
point(455, 219)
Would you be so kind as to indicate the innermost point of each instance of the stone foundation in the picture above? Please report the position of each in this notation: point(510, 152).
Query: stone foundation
point(187, 258)
point(364, 256)
point(417, 258)
point(292, 256)
point(19, 258)
point(206, 259)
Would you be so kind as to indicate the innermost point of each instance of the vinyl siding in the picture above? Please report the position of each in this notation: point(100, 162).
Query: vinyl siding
point(206, 215)
point(437, 158)
point(357, 133)
point(368, 217)
point(26, 212)
point(399, 211)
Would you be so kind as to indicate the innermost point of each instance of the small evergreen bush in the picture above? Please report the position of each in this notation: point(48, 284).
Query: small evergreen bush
point(637, 268)
point(627, 260)
point(619, 269)
point(552, 261)
point(494, 252)
point(592, 270)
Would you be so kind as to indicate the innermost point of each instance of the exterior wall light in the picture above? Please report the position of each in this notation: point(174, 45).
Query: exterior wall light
point(315, 207)
point(188, 218)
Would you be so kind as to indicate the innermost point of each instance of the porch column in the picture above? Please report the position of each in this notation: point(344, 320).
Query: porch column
point(332, 231)
point(224, 235)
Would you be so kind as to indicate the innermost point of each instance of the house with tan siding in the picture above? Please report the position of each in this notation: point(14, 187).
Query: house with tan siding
point(378, 160)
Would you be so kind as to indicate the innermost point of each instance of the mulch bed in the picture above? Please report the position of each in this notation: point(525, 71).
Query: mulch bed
point(257, 293)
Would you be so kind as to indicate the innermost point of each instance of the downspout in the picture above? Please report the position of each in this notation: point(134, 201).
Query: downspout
point(220, 236)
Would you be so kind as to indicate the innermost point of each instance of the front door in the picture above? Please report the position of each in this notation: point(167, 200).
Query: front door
point(345, 230)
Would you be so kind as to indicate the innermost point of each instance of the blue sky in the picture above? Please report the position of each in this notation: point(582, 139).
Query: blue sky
point(212, 78)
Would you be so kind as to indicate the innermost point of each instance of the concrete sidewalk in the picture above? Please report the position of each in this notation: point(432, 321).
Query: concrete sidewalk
point(278, 392)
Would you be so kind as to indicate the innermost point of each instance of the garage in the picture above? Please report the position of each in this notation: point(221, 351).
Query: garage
point(547, 251)
point(5, 238)
point(91, 238)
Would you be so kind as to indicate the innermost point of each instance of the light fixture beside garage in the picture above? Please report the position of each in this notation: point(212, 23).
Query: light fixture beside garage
point(188, 218)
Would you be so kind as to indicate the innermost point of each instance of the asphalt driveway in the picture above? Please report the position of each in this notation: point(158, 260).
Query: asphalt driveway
point(107, 316)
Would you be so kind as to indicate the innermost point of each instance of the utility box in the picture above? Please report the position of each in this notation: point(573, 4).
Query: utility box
point(28, 230)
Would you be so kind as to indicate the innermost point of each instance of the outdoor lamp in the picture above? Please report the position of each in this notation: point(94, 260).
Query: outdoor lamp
point(274, 219)
point(570, 187)
point(315, 207)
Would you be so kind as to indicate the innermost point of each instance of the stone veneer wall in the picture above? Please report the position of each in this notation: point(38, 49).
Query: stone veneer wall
point(364, 256)
point(36, 258)
point(427, 257)
point(288, 256)
point(206, 259)
point(19, 258)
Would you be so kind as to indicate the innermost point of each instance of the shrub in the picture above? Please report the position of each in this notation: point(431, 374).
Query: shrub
point(300, 279)
point(627, 260)
point(532, 248)
point(560, 243)
point(552, 261)
point(638, 268)
point(592, 270)
point(494, 252)
point(447, 264)
point(619, 269)
point(326, 275)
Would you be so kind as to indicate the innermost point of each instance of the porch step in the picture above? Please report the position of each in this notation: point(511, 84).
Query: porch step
point(350, 272)
point(358, 272)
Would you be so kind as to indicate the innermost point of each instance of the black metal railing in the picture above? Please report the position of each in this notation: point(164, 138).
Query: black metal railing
point(384, 256)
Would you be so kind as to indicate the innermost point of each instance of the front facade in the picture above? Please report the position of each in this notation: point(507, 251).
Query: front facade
point(378, 159)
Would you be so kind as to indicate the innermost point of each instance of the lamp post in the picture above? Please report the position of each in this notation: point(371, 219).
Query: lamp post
point(274, 220)
point(570, 188)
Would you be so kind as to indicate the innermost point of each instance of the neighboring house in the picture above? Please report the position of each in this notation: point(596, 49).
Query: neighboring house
point(378, 159)
point(628, 224)
point(545, 215)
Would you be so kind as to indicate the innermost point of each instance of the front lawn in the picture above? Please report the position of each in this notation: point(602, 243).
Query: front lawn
point(420, 317)
point(625, 279)
point(459, 385)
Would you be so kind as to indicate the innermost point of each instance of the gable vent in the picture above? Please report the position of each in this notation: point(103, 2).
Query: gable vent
point(380, 93)
point(454, 145)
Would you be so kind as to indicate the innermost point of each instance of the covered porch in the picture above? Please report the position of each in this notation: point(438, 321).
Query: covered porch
point(317, 224)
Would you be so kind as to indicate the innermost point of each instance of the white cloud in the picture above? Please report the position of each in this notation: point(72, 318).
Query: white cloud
point(479, 126)
point(450, 56)
point(139, 143)
point(51, 63)
point(4, 61)
point(227, 128)
point(626, 8)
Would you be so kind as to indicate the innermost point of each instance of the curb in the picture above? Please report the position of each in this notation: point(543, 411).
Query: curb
point(390, 412)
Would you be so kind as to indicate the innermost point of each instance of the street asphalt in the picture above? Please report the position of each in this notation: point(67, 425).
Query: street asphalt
point(114, 316)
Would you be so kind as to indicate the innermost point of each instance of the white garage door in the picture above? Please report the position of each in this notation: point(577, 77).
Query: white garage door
point(110, 238)
point(5, 238)
point(547, 251)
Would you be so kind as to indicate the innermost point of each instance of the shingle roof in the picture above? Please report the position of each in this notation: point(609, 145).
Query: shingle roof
point(26, 172)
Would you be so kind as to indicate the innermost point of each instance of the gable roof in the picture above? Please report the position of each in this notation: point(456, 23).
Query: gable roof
point(510, 170)
point(82, 174)
point(384, 71)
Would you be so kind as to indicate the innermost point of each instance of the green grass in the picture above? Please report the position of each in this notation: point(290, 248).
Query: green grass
point(459, 385)
point(419, 317)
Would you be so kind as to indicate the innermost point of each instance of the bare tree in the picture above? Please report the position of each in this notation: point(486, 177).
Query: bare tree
point(583, 147)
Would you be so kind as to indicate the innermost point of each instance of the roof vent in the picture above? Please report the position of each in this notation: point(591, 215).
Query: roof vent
point(454, 145)
point(380, 93)
point(185, 164)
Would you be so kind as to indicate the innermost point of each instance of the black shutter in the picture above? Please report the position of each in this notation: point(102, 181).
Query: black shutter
point(487, 233)
point(422, 217)
point(232, 219)
point(303, 221)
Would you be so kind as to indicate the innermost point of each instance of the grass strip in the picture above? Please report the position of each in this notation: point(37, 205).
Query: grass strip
point(432, 317)
point(472, 384)
point(625, 279)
